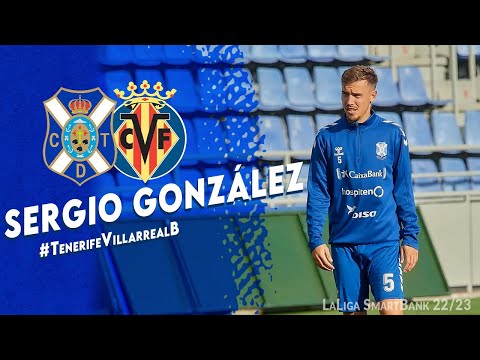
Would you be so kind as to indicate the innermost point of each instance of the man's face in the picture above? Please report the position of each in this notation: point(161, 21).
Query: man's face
point(357, 98)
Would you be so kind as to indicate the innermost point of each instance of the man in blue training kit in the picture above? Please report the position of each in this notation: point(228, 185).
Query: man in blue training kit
point(360, 176)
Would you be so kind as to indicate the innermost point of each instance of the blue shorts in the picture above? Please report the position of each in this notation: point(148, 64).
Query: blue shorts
point(360, 268)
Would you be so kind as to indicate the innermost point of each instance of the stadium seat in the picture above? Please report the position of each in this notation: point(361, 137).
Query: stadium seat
point(211, 140)
point(322, 53)
point(418, 130)
point(473, 164)
point(211, 89)
point(264, 54)
point(207, 54)
point(293, 54)
point(322, 120)
point(117, 79)
point(425, 184)
point(412, 90)
point(472, 129)
point(271, 89)
point(390, 115)
point(272, 136)
point(235, 54)
point(357, 54)
point(328, 88)
point(454, 183)
point(192, 152)
point(115, 54)
point(148, 55)
point(151, 75)
point(300, 89)
point(186, 99)
point(240, 90)
point(446, 131)
point(387, 89)
point(241, 132)
point(301, 133)
point(178, 54)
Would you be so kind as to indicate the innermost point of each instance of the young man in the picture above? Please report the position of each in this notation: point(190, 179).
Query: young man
point(360, 177)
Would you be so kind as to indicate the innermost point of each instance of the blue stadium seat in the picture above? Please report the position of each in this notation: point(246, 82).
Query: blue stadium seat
point(152, 76)
point(117, 79)
point(387, 89)
point(425, 184)
point(273, 131)
point(244, 53)
point(446, 131)
point(357, 54)
point(473, 164)
point(115, 54)
point(148, 55)
point(454, 183)
point(418, 130)
point(322, 120)
point(301, 133)
point(472, 129)
point(264, 54)
point(240, 91)
point(235, 54)
point(300, 89)
point(207, 54)
point(211, 140)
point(178, 54)
point(186, 99)
point(241, 132)
point(412, 89)
point(293, 54)
point(328, 93)
point(322, 53)
point(192, 153)
point(271, 89)
point(390, 115)
point(211, 89)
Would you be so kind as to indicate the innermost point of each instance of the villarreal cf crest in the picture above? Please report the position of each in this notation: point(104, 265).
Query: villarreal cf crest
point(79, 142)
point(149, 133)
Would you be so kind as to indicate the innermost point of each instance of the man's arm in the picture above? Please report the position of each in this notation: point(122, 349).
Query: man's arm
point(403, 193)
point(318, 199)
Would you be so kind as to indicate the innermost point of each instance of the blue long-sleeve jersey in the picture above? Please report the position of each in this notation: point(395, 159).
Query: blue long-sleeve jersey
point(360, 176)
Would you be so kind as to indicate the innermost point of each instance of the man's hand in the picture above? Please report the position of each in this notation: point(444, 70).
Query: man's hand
point(323, 259)
point(410, 256)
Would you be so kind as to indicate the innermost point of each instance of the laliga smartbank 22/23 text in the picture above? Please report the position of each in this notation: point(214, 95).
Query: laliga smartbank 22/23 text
point(434, 305)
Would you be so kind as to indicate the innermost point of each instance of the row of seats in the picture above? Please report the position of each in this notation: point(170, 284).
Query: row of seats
point(205, 90)
point(268, 89)
point(296, 132)
point(178, 55)
point(298, 89)
point(300, 54)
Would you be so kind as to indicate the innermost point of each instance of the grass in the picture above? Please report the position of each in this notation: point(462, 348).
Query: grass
point(440, 306)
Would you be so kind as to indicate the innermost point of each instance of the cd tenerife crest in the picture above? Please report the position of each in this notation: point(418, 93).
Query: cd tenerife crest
point(79, 140)
point(149, 134)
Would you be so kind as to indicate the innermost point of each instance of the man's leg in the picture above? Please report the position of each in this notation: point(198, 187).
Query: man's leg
point(386, 277)
point(352, 284)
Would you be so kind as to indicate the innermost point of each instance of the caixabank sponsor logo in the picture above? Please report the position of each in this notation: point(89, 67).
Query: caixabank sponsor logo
point(79, 139)
point(149, 134)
